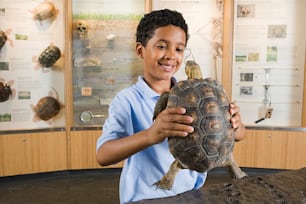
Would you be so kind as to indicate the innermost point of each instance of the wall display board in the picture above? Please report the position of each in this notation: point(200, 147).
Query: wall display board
point(31, 64)
point(205, 45)
point(268, 61)
point(104, 57)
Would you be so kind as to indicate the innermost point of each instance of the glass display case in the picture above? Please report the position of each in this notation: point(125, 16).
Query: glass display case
point(32, 47)
point(104, 57)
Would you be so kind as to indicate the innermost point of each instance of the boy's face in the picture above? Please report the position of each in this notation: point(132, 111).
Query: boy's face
point(163, 54)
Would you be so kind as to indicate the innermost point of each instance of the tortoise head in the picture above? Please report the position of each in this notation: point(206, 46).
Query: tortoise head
point(161, 104)
point(193, 70)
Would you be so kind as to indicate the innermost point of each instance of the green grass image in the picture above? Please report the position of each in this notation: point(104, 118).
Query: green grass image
point(99, 16)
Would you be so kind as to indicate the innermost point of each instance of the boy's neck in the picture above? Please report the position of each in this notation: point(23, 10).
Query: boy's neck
point(160, 86)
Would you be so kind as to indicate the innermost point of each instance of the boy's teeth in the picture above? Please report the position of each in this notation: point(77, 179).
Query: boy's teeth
point(167, 66)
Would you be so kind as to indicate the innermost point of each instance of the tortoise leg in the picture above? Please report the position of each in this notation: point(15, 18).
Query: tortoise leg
point(161, 104)
point(238, 173)
point(167, 181)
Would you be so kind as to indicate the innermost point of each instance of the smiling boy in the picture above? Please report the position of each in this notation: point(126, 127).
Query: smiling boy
point(130, 134)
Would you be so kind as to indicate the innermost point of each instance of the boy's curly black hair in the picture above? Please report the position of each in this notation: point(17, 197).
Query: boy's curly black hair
point(159, 18)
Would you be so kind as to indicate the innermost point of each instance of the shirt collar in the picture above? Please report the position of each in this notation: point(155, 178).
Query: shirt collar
point(146, 90)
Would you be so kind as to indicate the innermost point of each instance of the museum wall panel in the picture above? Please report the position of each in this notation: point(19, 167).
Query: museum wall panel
point(88, 74)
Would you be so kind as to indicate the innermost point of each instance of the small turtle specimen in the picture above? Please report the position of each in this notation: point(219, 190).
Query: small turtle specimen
point(45, 10)
point(47, 107)
point(4, 37)
point(49, 56)
point(212, 142)
point(5, 92)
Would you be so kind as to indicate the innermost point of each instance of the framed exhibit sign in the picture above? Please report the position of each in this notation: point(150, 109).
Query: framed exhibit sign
point(268, 61)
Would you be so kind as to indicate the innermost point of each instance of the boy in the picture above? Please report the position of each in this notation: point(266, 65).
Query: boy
point(130, 134)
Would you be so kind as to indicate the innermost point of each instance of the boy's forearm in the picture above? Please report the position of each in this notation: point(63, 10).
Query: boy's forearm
point(114, 151)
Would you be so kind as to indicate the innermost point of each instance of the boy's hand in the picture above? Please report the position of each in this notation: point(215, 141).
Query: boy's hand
point(170, 123)
point(236, 121)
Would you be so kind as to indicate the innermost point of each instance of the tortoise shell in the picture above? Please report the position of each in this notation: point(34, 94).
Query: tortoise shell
point(213, 139)
point(47, 107)
point(211, 143)
point(44, 10)
point(3, 39)
point(49, 56)
point(5, 92)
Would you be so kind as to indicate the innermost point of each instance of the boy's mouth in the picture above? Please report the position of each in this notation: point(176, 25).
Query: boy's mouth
point(167, 67)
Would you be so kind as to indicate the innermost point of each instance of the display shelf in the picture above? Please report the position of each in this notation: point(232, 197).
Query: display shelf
point(103, 56)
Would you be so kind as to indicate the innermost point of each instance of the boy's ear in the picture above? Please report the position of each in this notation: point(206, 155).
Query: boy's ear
point(139, 50)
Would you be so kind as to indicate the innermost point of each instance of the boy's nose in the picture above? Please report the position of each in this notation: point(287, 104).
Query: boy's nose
point(170, 54)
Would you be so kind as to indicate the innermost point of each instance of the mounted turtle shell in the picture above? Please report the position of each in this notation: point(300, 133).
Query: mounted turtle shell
point(44, 10)
point(49, 56)
point(47, 107)
point(5, 92)
point(3, 39)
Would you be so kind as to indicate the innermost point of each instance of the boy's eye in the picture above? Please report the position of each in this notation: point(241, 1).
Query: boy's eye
point(162, 46)
point(180, 49)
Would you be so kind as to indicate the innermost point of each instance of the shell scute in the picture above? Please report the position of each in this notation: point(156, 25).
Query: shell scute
point(195, 157)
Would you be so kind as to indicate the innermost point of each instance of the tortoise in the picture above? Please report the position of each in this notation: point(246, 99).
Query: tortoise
point(211, 144)
point(47, 107)
point(4, 37)
point(45, 10)
point(47, 59)
point(6, 90)
point(49, 56)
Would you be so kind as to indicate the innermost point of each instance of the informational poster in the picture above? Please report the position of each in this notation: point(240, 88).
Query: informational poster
point(104, 55)
point(205, 23)
point(268, 61)
point(28, 27)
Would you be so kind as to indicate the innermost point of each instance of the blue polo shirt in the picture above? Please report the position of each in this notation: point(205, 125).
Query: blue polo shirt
point(131, 111)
